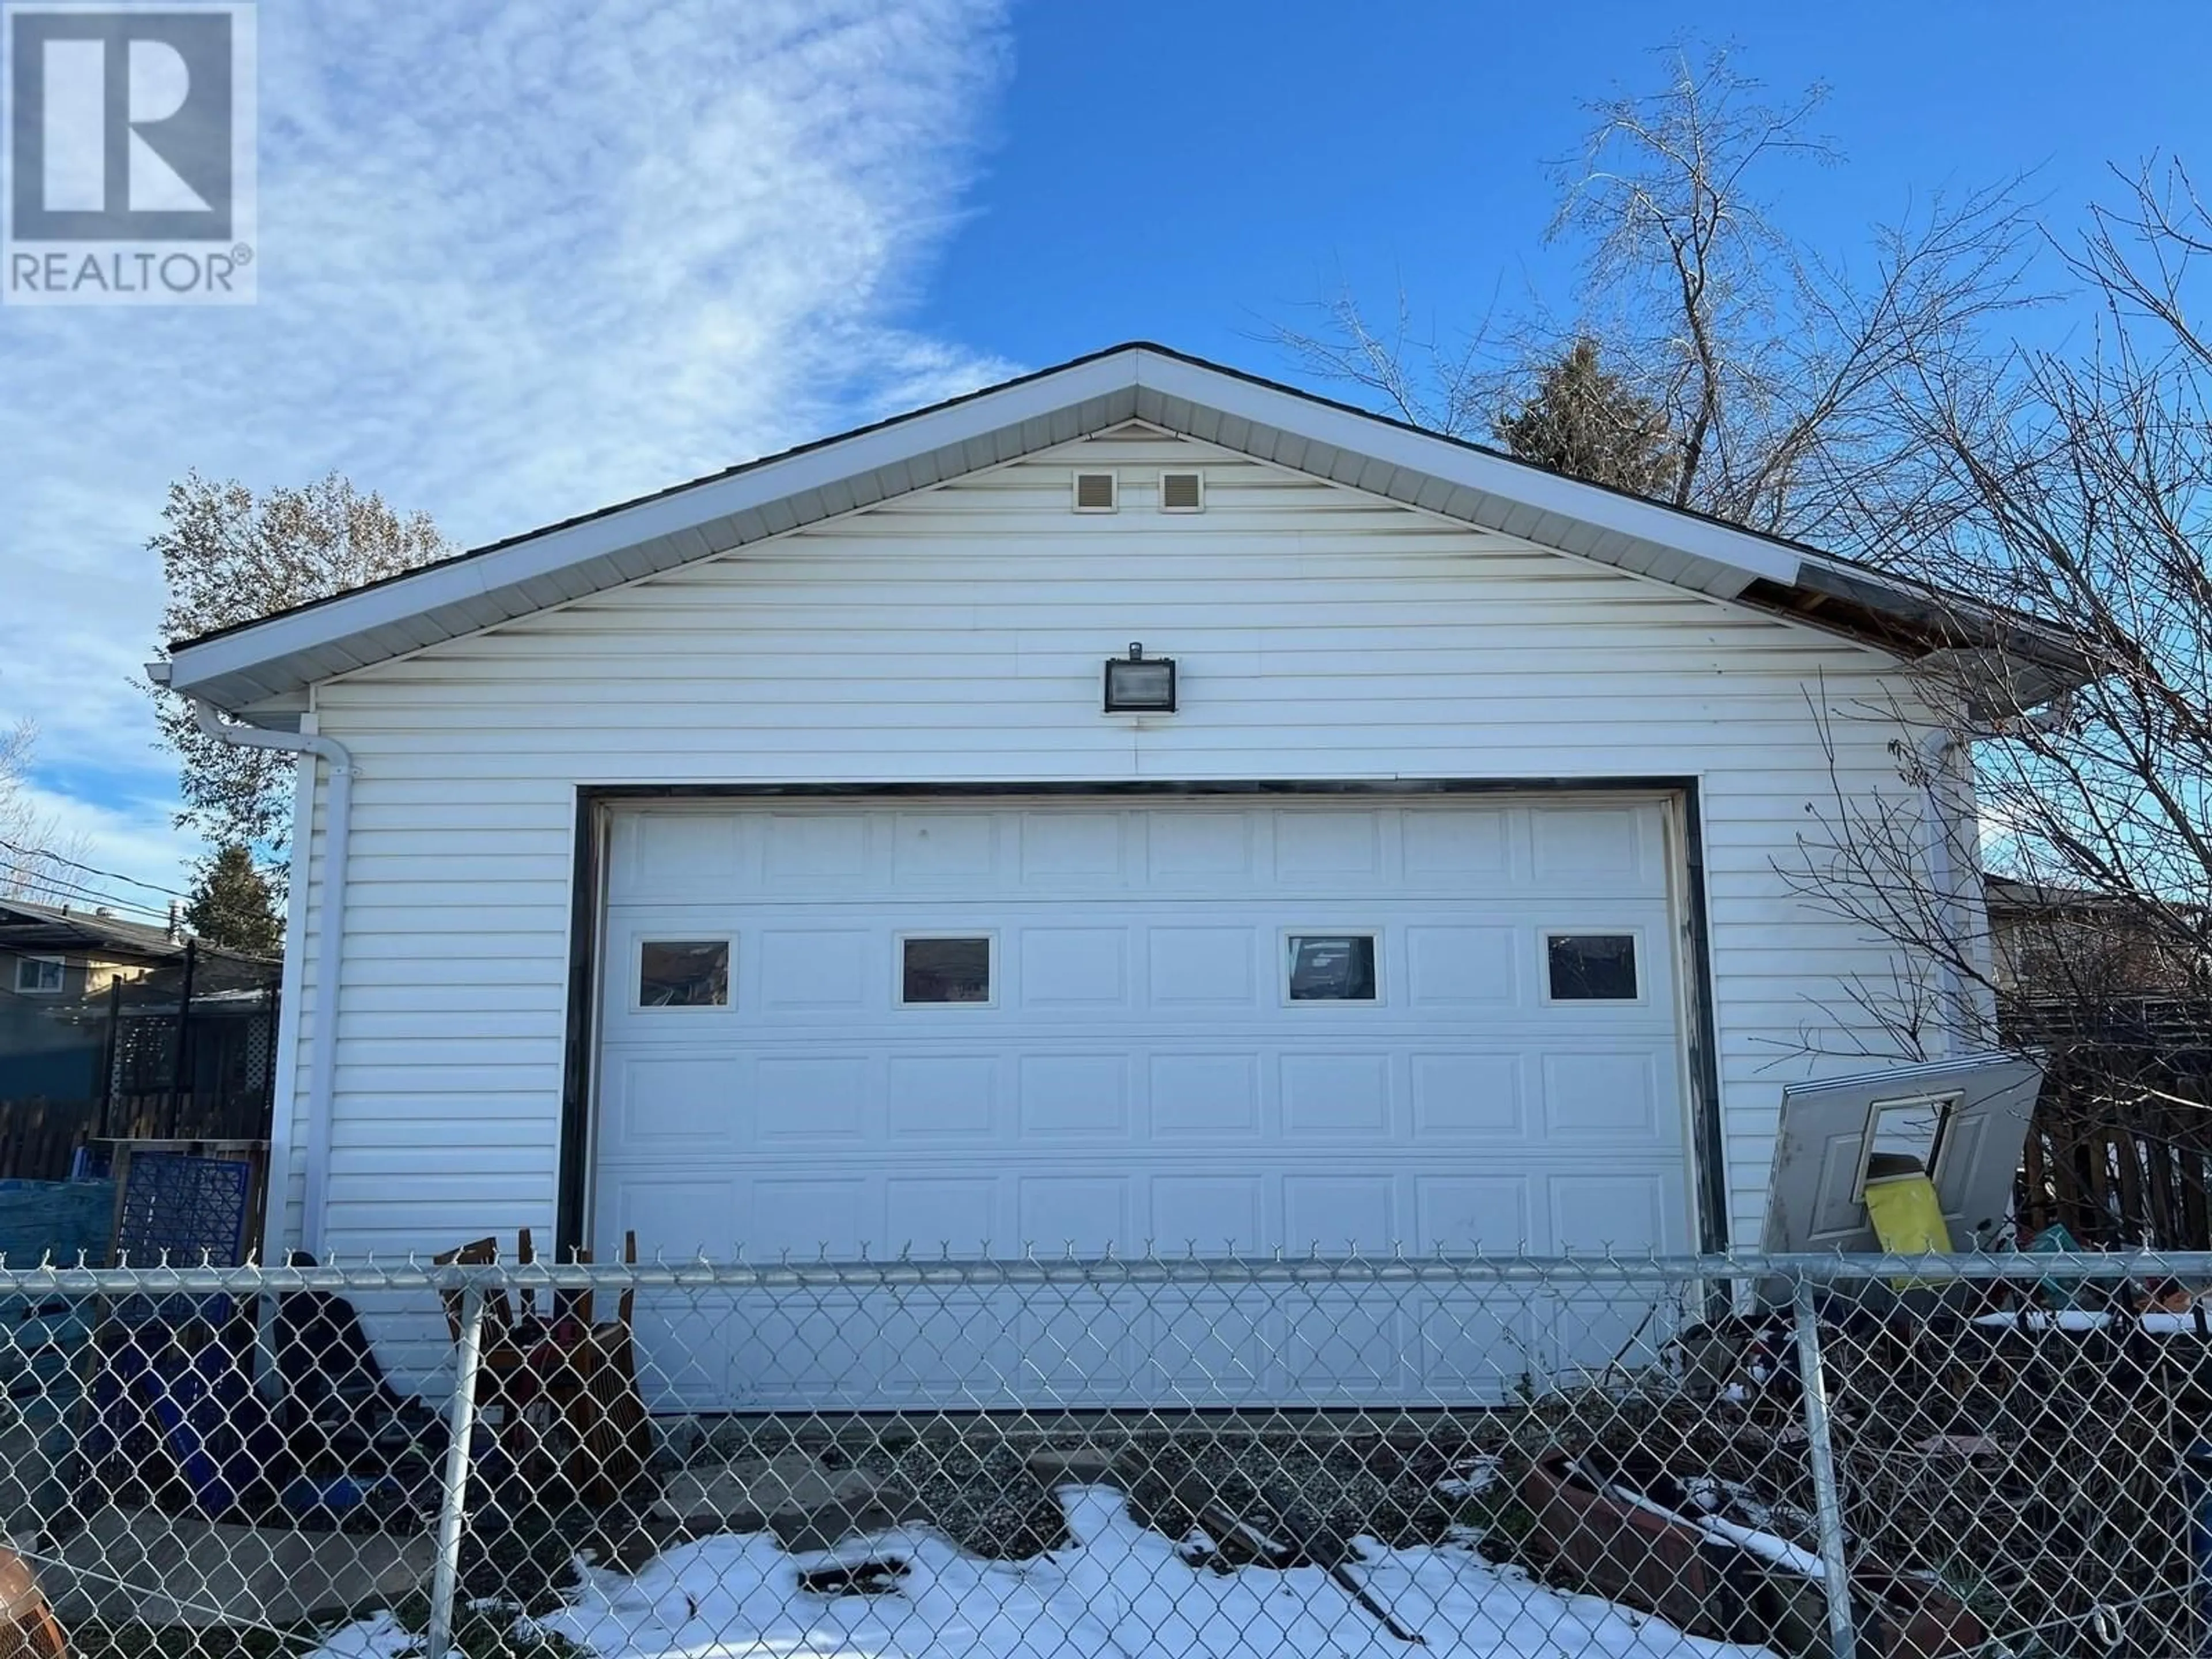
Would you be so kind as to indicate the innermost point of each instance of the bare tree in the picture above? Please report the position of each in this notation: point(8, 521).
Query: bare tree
point(1403, 369)
point(231, 557)
point(2077, 674)
point(36, 856)
point(1773, 364)
point(2081, 527)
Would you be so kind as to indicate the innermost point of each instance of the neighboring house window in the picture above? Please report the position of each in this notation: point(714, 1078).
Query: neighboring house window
point(39, 976)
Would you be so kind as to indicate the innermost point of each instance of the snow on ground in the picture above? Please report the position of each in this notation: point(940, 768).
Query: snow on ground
point(380, 1636)
point(2153, 1322)
point(1470, 1476)
point(1719, 1529)
point(1120, 1592)
point(1780, 1551)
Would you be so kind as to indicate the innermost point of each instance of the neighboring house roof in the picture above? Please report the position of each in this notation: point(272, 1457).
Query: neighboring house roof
point(35, 929)
point(2004, 892)
point(262, 668)
point(51, 929)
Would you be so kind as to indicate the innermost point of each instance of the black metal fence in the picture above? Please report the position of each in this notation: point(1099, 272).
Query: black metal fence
point(185, 1051)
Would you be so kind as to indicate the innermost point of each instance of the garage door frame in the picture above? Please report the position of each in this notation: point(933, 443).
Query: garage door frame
point(594, 811)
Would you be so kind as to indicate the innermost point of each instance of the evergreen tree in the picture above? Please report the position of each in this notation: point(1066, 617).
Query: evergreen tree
point(232, 906)
point(1582, 419)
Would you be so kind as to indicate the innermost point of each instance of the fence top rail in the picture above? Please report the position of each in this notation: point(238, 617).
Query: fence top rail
point(50, 1279)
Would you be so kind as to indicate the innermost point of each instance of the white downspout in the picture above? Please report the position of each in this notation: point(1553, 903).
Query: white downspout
point(322, 1014)
point(1936, 755)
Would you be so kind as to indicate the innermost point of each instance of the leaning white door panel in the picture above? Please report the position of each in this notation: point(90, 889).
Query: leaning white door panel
point(1210, 1026)
point(1960, 1122)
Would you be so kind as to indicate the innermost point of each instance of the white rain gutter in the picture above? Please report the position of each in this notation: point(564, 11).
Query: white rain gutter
point(322, 1014)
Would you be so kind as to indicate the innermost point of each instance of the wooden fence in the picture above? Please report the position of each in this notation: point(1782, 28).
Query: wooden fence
point(2120, 1149)
point(2112, 1184)
point(39, 1137)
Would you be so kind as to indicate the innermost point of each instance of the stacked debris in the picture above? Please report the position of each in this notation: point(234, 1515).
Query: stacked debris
point(2009, 1472)
point(2038, 1467)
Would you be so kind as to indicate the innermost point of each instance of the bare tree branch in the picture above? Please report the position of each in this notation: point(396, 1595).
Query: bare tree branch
point(35, 853)
point(1774, 367)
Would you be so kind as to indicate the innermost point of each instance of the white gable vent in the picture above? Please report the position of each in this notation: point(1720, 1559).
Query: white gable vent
point(1182, 492)
point(1096, 492)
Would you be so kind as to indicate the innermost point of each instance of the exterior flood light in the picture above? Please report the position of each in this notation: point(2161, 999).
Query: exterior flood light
point(1137, 684)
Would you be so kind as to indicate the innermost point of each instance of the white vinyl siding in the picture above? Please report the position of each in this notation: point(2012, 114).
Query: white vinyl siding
point(956, 636)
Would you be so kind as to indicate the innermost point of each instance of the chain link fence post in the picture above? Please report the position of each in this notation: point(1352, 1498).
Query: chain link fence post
point(453, 1505)
point(1827, 1491)
point(2196, 1500)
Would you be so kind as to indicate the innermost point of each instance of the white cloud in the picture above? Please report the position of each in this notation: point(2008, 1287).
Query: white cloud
point(516, 262)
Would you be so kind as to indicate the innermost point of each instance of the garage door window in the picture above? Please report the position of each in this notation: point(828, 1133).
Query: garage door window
point(1330, 966)
point(687, 973)
point(946, 971)
point(1592, 967)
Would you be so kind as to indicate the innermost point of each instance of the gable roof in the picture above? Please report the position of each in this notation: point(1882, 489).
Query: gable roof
point(272, 661)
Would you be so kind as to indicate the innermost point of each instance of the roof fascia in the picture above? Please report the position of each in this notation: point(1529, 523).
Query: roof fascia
point(679, 510)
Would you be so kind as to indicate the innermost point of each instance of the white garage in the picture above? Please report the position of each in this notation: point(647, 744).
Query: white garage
point(1135, 806)
point(988, 1027)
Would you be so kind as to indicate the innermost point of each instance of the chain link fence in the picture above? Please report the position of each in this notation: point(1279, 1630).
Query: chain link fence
point(1298, 1456)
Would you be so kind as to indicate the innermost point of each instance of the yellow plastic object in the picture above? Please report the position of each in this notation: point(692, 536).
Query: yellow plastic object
point(1908, 1218)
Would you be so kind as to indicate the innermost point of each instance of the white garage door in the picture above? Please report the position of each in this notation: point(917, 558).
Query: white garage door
point(1219, 1026)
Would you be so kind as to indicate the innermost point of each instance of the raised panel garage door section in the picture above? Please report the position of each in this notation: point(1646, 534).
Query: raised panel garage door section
point(1203, 1024)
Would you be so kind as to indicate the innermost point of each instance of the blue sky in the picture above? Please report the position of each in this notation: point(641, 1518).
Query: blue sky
point(519, 261)
point(1203, 171)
